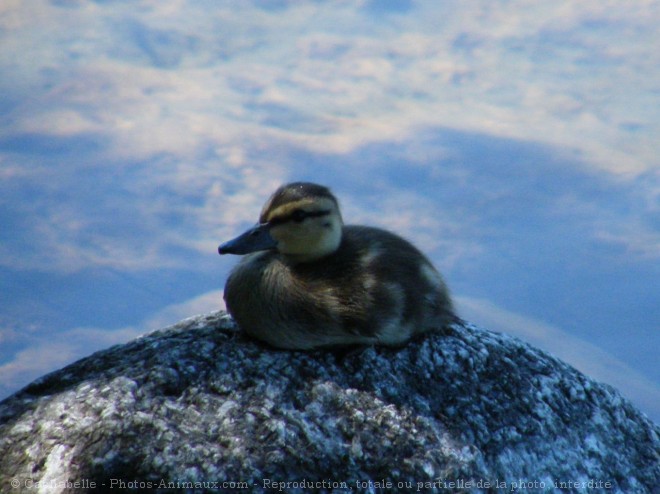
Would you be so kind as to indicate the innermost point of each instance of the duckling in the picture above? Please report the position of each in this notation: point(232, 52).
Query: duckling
point(309, 281)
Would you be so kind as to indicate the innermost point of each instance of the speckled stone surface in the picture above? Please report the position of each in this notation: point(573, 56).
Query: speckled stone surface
point(197, 407)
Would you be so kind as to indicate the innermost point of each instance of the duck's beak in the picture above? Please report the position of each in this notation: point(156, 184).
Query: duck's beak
point(255, 239)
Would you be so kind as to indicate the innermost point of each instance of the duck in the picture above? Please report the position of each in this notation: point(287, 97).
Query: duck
point(308, 281)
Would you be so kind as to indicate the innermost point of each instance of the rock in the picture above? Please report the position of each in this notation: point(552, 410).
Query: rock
point(197, 407)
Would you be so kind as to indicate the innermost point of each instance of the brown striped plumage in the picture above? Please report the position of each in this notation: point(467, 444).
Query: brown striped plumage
point(308, 281)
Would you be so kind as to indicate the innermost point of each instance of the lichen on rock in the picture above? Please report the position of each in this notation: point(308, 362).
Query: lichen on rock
point(198, 407)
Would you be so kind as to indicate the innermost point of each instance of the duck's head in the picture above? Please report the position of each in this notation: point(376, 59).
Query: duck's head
point(301, 220)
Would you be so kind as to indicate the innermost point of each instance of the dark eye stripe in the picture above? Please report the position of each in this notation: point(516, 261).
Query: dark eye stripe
point(298, 216)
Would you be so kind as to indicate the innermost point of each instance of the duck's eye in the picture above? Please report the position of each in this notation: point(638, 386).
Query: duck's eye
point(298, 215)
